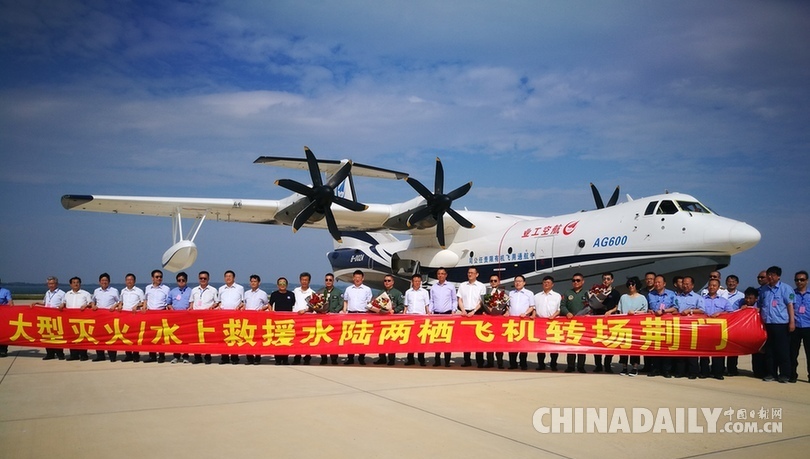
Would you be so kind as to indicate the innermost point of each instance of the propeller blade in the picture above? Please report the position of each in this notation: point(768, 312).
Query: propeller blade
point(460, 191)
point(440, 231)
point(294, 186)
point(419, 215)
point(332, 225)
point(314, 170)
point(351, 205)
point(303, 216)
point(614, 198)
point(417, 185)
point(439, 184)
point(597, 198)
point(459, 219)
point(340, 175)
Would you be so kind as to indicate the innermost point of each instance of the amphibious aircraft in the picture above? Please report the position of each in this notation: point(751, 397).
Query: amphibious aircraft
point(668, 233)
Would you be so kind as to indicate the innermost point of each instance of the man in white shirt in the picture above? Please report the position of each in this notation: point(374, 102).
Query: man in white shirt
point(302, 294)
point(105, 298)
point(76, 298)
point(132, 299)
point(231, 298)
point(521, 304)
point(203, 297)
point(547, 306)
point(356, 299)
point(54, 298)
point(157, 299)
point(255, 300)
point(469, 303)
point(417, 301)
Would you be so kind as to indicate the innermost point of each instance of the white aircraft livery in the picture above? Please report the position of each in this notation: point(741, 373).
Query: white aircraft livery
point(668, 234)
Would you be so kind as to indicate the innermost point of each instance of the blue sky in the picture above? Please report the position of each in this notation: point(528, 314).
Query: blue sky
point(529, 100)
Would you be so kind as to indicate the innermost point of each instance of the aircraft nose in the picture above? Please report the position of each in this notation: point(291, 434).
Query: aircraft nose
point(743, 236)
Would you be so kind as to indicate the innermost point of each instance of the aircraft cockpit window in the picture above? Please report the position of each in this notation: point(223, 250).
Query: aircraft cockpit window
point(651, 208)
point(694, 207)
point(667, 208)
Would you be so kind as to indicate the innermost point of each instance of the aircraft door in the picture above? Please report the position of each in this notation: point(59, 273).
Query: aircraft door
point(544, 253)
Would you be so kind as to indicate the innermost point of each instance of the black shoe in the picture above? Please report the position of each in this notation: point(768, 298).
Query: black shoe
point(569, 370)
point(349, 362)
point(598, 369)
point(391, 362)
point(703, 376)
point(380, 362)
point(513, 367)
point(60, 356)
point(3, 353)
point(149, 360)
point(608, 370)
point(98, 359)
point(361, 361)
point(667, 375)
point(409, 363)
point(466, 364)
point(296, 361)
point(581, 370)
point(793, 380)
point(768, 378)
point(553, 367)
point(500, 366)
point(437, 363)
point(719, 377)
point(83, 358)
point(524, 367)
point(71, 358)
point(447, 363)
point(324, 361)
point(783, 380)
point(481, 365)
point(48, 357)
point(112, 359)
point(692, 377)
point(422, 363)
point(541, 366)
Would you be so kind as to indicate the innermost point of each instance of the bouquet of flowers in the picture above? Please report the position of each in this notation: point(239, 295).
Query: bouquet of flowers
point(317, 303)
point(381, 304)
point(596, 295)
point(495, 302)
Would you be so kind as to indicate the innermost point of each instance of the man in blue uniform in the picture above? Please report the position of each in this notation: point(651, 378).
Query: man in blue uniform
point(802, 332)
point(776, 309)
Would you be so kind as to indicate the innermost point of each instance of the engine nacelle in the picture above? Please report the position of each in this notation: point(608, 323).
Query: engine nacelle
point(433, 257)
point(180, 256)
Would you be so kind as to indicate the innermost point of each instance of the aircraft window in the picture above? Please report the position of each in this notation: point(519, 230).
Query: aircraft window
point(694, 207)
point(667, 208)
point(651, 208)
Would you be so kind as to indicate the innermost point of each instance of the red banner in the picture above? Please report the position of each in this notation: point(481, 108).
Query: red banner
point(248, 332)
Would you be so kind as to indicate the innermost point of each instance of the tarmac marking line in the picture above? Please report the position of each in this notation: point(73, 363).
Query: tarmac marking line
point(739, 448)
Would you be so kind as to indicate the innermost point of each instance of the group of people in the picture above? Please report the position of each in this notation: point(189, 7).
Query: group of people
point(784, 312)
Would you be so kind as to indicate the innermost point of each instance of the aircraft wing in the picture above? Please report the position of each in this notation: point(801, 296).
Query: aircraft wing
point(231, 210)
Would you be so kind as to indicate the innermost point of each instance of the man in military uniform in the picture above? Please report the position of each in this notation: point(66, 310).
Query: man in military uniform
point(574, 300)
point(333, 298)
point(396, 306)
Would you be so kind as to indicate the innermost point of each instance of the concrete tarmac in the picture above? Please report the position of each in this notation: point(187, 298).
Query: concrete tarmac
point(115, 409)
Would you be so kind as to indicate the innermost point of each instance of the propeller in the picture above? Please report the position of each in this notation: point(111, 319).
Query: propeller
point(321, 195)
point(614, 198)
point(438, 203)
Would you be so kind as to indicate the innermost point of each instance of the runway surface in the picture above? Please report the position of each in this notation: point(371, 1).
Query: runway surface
point(116, 409)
